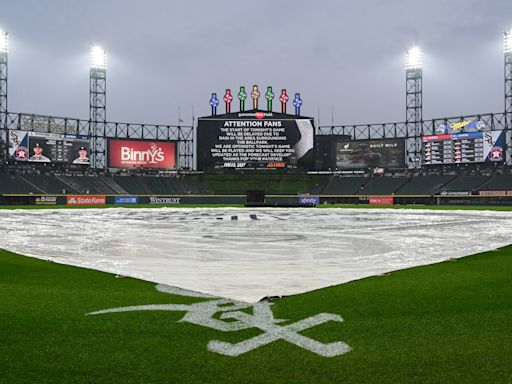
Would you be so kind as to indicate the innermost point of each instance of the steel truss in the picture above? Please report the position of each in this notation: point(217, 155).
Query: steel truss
point(414, 111)
point(508, 97)
point(98, 115)
point(100, 133)
point(4, 148)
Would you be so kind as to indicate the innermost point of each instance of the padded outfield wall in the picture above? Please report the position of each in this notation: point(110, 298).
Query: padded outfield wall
point(270, 200)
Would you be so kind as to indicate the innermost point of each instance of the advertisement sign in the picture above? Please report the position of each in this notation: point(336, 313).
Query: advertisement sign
point(164, 200)
point(380, 200)
point(309, 200)
point(496, 193)
point(46, 200)
point(86, 200)
point(40, 147)
point(141, 154)
point(363, 154)
point(461, 125)
point(255, 139)
point(469, 147)
point(455, 193)
point(126, 200)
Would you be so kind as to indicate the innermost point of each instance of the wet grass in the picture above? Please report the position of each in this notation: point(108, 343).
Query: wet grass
point(444, 323)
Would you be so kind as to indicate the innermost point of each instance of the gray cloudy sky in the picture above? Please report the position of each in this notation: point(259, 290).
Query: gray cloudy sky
point(348, 55)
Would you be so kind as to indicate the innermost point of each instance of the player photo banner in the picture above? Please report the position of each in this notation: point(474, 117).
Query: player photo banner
point(142, 154)
point(40, 147)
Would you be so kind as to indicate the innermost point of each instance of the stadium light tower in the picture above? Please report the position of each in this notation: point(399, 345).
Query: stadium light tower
point(414, 98)
point(98, 104)
point(4, 50)
point(508, 78)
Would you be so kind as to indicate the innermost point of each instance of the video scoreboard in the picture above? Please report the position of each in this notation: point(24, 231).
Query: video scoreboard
point(470, 147)
point(41, 147)
point(255, 140)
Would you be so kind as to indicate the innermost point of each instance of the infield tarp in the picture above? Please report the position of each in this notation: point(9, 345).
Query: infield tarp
point(247, 254)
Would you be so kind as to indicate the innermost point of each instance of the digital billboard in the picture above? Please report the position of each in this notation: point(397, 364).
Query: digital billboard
point(363, 154)
point(40, 147)
point(255, 140)
point(141, 154)
point(470, 147)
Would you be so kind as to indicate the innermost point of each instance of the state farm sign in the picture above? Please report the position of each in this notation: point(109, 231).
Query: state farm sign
point(86, 200)
point(142, 154)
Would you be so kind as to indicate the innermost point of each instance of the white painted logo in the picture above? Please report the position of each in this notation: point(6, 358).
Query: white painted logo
point(232, 318)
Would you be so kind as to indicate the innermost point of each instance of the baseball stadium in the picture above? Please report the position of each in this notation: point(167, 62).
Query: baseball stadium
point(256, 245)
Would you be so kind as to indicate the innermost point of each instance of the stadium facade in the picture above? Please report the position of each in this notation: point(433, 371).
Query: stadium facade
point(462, 159)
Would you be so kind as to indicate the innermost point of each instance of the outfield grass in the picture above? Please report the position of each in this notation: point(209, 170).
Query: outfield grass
point(444, 323)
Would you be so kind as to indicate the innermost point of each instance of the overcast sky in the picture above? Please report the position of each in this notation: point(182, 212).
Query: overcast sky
point(346, 56)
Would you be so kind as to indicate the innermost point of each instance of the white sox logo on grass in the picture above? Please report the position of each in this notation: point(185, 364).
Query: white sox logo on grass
point(232, 318)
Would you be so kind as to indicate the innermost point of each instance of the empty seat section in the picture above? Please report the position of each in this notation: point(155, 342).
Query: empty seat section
point(133, 184)
point(383, 185)
point(425, 185)
point(345, 185)
point(14, 184)
point(465, 183)
point(499, 183)
point(49, 184)
point(88, 184)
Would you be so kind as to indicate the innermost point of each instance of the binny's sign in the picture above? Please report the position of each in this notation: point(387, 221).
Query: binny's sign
point(142, 154)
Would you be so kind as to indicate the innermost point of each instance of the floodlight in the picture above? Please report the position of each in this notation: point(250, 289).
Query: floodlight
point(414, 58)
point(98, 58)
point(508, 41)
point(4, 42)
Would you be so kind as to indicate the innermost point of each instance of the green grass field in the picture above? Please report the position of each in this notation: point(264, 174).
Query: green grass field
point(444, 323)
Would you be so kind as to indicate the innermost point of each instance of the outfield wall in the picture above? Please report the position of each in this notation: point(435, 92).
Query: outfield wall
point(270, 200)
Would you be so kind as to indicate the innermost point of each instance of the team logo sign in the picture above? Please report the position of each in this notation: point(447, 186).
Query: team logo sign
point(230, 316)
point(496, 153)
